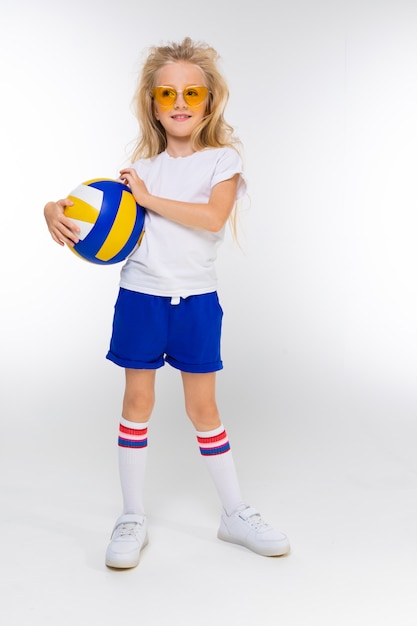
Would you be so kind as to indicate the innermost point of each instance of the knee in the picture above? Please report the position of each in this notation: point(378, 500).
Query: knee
point(204, 417)
point(138, 407)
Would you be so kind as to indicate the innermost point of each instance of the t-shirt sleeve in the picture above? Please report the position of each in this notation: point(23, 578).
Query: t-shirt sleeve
point(229, 164)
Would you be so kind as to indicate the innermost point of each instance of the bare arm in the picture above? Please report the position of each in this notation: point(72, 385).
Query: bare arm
point(211, 216)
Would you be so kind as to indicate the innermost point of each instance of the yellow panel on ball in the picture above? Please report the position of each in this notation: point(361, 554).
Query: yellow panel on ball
point(121, 229)
point(81, 211)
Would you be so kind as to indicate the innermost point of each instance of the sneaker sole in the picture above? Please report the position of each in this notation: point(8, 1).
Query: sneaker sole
point(262, 551)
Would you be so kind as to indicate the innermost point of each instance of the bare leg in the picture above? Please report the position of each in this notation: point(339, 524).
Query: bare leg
point(201, 406)
point(139, 398)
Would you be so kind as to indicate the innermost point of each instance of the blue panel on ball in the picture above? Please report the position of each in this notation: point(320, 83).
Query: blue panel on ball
point(112, 194)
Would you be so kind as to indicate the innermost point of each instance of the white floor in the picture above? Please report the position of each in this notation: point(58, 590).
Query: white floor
point(345, 494)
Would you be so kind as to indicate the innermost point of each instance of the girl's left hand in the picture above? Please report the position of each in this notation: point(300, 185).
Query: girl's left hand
point(138, 188)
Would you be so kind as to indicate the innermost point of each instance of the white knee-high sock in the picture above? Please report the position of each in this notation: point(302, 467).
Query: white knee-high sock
point(215, 448)
point(133, 446)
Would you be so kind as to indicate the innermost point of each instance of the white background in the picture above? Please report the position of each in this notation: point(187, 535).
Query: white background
point(318, 393)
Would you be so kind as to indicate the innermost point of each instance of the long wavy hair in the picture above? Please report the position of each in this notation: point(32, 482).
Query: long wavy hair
point(213, 131)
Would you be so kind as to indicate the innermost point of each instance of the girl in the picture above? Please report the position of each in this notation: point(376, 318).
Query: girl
point(187, 173)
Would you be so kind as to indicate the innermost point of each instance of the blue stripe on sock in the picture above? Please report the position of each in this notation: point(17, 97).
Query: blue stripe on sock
point(214, 451)
point(128, 443)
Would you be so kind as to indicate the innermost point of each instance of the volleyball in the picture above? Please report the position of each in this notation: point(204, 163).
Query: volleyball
point(110, 221)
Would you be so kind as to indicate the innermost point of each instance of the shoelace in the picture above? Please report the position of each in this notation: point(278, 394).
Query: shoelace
point(127, 529)
point(257, 522)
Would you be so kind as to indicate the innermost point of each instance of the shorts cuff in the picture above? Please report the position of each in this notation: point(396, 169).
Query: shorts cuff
point(195, 368)
point(134, 365)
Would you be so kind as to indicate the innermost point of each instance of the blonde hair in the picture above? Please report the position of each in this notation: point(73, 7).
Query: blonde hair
point(213, 131)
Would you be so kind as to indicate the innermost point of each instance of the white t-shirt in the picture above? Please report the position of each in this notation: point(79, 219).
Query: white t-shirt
point(175, 260)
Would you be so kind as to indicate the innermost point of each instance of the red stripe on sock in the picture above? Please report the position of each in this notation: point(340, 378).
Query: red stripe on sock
point(222, 435)
point(133, 431)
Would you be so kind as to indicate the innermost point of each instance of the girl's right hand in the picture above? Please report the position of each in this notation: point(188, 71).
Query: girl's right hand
point(62, 229)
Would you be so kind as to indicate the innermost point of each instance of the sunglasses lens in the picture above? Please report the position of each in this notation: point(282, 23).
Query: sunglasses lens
point(165, 96)
point(195, 95)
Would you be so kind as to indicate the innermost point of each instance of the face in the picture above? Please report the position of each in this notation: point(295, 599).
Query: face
point(180, 118)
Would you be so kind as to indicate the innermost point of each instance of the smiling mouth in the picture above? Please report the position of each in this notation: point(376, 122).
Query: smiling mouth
point(181, 117)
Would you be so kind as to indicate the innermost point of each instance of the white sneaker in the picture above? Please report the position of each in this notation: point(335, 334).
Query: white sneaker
point(246, 528)
point(128, 538)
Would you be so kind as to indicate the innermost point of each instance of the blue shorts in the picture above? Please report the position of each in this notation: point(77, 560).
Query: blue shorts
point(151, 330)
